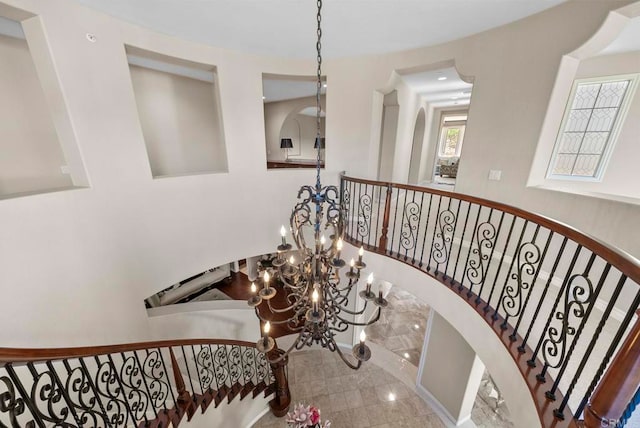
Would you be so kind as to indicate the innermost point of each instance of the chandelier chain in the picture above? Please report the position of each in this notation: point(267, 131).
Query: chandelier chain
point(318, 91)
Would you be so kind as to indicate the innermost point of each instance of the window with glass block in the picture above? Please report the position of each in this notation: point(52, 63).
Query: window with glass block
point(593, 114)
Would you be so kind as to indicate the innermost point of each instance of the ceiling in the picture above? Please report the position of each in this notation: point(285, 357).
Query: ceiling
point(276, 89)
point(286, 28)
point(440, 88)
point(627, 41)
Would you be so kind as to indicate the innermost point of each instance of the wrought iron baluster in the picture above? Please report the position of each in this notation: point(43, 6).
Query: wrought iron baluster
point(433, 235)
point(612, 348)
point(195, 361)
point(144, 381)
point(513, 335)
point(473, 233)
point(94, 389)
point(464, 231)
point(559, 413)
point(141, 404)
point(377, 239)
point(493, 247)
point(453, 236)
point(506, 279)
point(164, 368)
point(542, 375)
point(395, 218)
point(552, 273)
point(15, 407)
point(426, 229)
point(415, 247)
point(487, 306)
point(63, 392)
point(111, 378)
point(590, 300)
point(186, 363)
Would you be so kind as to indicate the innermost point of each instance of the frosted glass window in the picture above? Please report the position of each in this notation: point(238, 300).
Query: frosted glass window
point(588, 127)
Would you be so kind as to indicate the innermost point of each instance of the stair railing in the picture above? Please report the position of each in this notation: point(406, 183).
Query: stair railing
point(150, 384)
point(562, 302)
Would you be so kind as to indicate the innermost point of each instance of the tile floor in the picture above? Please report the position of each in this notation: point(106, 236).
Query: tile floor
point(401, 330)
point(369, 397)
point(361, 399)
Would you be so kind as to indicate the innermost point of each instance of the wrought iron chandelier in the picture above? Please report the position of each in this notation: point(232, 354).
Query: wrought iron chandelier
point(316, 302)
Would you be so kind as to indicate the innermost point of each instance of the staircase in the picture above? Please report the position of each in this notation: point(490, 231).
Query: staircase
point(153, 384)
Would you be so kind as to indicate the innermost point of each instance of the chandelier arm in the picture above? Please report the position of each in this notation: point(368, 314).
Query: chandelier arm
point(377, 317)
point(286, 353)
point(340, 299)
point(277, 322)
point(343, 309)
point(333, 346)
point(282, 310)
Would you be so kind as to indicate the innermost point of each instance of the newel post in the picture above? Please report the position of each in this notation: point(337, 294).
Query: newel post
point(382, 246)
point(618, 385)
point(280, 403)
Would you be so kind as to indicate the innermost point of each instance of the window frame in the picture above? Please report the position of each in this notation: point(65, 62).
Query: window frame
point(612, 139)
point(444, 125)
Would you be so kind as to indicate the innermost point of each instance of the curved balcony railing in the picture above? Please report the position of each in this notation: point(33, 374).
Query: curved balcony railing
point(151, 384)
point(563, 303)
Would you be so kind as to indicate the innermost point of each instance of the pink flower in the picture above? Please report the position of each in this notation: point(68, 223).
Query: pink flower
point(315, 415)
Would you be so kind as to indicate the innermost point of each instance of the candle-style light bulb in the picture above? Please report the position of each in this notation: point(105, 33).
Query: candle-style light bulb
point(360, 254)
point(265, 331)
point(253, 288)
point(351, 264)
point(283, 233)
point(369, 282)
point(363, 337)
point(339, 244)
point(314, 299)
point(266, 279)
point(322, 240)
point(292, 260)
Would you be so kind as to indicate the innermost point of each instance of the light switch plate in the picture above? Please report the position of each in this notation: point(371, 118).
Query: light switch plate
point(495, 174)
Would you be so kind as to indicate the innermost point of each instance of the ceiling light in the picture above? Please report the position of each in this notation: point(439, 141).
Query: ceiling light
point(442, 78)
point(416, 326)
point(406, 355)
point(316, 298)
point(391, 396)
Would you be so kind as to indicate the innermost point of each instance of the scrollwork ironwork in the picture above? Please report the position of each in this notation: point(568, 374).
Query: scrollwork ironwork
point(578, 294)
point(442, 241)
point(411, 217)
point(364, 215)
point(483, 244)
point(11, 404)
point(528, 260)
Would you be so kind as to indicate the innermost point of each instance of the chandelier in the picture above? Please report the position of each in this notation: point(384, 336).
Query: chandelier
point(317, 287)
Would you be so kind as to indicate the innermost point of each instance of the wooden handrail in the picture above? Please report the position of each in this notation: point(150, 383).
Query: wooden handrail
point(24, 355)
point(454, 231)
point(618, 385)
point(619, 258)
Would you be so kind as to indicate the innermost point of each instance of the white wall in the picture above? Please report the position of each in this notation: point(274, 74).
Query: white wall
point(621, 177)
point(31, 156)
point(77, 265)
point(505, 116)
point(180, 123)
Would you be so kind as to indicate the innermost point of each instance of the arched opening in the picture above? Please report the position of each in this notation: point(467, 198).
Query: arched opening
point(416, 147)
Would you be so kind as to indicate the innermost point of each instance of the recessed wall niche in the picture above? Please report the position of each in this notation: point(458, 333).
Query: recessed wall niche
point(290, 120)
point(179, 111)
point(32, 159)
